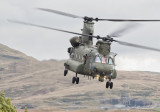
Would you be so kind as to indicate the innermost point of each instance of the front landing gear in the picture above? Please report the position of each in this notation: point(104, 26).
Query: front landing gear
point(109, 84)
point(75, 79)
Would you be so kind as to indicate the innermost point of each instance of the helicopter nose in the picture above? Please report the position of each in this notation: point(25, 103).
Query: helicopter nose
point(103, 68)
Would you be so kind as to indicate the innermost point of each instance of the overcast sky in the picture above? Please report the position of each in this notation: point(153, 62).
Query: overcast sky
point(46, 44)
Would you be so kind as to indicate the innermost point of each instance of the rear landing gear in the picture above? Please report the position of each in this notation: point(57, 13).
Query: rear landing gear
point(65, 72)
point(109, 84)
point(75, 79)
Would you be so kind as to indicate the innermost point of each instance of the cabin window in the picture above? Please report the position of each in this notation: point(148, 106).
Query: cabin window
point(75, 56)
point(110, 61)
point(98, 59)
point(79, 57)
point(72, 55)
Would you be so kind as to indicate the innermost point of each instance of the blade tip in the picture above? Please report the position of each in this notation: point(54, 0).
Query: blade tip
point(40, 8)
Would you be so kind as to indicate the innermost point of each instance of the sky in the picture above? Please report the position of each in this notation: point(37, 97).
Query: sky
point(45, 44)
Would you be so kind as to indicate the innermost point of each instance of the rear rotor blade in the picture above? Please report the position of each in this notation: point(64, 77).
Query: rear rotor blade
point(137, 46)
point(93, 19)
point(128, 20)
point(98, 37)
point(60, 13)
point(30, 24)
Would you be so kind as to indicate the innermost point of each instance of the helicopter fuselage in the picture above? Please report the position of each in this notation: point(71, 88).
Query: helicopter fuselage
point(86, 60)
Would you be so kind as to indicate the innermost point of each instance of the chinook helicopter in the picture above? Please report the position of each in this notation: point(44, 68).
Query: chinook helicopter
point(88, 59)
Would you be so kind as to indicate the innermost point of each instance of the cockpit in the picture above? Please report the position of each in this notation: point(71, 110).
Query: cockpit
point(99, 59)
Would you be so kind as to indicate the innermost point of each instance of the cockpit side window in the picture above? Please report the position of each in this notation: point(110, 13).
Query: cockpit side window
point(110, 61)
point(98, 59)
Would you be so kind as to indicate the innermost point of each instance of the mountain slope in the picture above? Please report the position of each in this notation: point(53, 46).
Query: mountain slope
point(41, 84)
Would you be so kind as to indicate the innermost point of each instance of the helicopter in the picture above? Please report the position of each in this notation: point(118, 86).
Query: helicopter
point(90, 60)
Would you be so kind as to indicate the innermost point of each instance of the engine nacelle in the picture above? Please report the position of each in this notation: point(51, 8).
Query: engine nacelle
point(75, 41)
point(103, 47)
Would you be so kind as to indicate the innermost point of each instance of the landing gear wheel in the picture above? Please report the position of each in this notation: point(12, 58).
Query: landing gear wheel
point(107, 84)
point(65, 72)
point(111, 85)
point(77, 80)
point(73, 80)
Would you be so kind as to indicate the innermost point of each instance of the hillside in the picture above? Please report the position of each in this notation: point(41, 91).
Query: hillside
point(41, 84)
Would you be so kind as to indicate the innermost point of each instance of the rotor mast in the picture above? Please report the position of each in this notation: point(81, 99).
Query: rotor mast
point(88, 28)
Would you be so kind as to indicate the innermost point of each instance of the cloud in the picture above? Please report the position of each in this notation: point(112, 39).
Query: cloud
point(134, 63)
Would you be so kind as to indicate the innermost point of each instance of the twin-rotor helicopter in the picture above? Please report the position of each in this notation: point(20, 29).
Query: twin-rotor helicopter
point(96, 61)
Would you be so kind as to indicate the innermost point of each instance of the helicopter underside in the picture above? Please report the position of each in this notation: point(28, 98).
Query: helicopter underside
point(79, 68)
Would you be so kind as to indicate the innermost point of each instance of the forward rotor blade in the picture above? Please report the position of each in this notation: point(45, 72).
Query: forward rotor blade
point(137, 46)
point(60, 13)
point(98, 37)
point(128, 20)
point(30, 24)
point(124, 29)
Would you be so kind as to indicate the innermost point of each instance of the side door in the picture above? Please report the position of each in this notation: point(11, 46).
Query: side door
point(88, 63)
